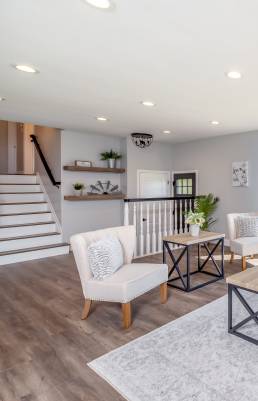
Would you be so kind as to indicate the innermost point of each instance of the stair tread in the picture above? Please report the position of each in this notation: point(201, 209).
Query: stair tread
point(22, 214)
point(40, 223)
point(20, 203)
point(29, 236)
point(35, 248)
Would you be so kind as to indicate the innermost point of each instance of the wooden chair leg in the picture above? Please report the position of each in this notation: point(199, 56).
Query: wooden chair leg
point(163, 293)
point(86, 309)
point(127, 315)
point(244, 263)
point(232, 257)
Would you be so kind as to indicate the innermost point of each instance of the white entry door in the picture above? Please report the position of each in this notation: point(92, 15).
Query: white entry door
point(153, 184)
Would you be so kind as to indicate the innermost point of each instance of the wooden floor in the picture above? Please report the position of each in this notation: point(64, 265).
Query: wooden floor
point(44, 346)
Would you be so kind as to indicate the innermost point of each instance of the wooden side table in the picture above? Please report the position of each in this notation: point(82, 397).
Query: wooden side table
point(187, 241)
point(248, 281)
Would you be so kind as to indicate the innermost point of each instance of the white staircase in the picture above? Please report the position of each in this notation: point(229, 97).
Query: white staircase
point(28, 228)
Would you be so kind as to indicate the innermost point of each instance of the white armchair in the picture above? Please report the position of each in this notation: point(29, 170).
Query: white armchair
point(245, 246)
point(129, 282)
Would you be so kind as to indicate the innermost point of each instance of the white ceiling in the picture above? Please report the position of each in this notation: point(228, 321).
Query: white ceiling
point(94, 62)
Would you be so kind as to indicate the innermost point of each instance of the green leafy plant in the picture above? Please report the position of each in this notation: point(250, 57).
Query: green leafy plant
point(195, 218)
point(110, 155)
point(78, 186)
point(207, 204)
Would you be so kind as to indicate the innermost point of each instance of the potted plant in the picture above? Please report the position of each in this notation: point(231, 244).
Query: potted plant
point(78, 188)
point(206, 204)
point(111, 158)
point(195, 220)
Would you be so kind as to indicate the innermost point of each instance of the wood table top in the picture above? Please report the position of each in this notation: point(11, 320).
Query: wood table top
point(247, 279)
point(187, 239)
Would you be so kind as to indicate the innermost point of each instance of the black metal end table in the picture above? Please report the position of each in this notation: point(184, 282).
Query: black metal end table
point(186, 241)
point(247, 281)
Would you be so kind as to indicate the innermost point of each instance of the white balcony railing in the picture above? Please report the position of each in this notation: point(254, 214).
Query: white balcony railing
point(155, 218)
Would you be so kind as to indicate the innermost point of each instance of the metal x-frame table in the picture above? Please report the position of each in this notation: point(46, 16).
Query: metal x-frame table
point(243, 281)
point(187, 241)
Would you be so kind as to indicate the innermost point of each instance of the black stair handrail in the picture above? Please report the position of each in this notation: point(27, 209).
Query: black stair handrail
point(45, 164)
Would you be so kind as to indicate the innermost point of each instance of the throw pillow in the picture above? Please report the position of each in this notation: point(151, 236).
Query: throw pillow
point(105, 257)
point(247, 226)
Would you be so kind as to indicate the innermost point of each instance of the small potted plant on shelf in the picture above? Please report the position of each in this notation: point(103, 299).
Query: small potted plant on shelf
point(78, 188)
point(111, 158)
point(195, 220)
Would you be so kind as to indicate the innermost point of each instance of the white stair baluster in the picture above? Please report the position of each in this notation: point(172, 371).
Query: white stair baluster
point(165, 219)
point(126, 213)
point(141, 232)
point(175, 207)
point(135, 225)
point(180, 216)
point(147, 228)
point(154, 238)
point(170, 232)
point(159, 233)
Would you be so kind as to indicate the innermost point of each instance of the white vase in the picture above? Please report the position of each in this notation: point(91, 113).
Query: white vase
point(194, 230)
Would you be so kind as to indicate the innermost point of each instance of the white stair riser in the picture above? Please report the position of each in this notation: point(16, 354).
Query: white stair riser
point(22, 197)
point(18, 179)
point(30, 208)
point(26, 218)
point(10, 232)
point(29, 242)
point(19, 188)
point(24, 256)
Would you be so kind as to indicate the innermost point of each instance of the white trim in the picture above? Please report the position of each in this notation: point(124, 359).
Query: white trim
point(196, 172)
point(152, 171)
point(39, 180)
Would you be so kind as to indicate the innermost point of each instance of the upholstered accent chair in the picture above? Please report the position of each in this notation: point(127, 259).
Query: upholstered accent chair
point(127, 283)
point(243, 246)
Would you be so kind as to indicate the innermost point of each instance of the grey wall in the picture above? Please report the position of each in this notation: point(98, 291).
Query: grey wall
point(156, 157)
point(213, 159)
point(3, 147)
point(88, 215)
point(50, 143)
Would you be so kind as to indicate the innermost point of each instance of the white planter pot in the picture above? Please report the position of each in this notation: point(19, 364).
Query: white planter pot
point(194, 230)
point(78, 192)
point(111, 163)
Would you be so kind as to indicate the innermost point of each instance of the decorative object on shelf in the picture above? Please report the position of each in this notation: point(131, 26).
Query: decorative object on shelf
point(240, 174)
point(111, 158)
point(83, 163)
point(78, 188)
point(103, 188)
point(142, 140)
point(206, 204)
point(195, 220)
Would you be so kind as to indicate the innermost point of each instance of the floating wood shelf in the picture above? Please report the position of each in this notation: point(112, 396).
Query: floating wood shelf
point(95, 169)
point(94, 197)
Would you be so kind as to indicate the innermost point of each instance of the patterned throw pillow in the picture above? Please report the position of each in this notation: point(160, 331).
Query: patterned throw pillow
point(247, 226)
point(105, 257)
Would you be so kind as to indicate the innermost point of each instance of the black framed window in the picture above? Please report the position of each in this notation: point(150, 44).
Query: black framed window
point(184, 184)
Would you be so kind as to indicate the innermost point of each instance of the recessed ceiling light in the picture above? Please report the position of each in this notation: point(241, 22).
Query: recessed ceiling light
point(101, 118)
point(26, 68)
point(166, 131)
point(2, 99)
point(234, 75)
point(104, 4)
point(214, 122)
point(148, 103)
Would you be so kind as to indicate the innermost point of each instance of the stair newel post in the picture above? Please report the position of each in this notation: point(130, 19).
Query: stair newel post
point(154, 239)
point(159, 233)
point(147, 228)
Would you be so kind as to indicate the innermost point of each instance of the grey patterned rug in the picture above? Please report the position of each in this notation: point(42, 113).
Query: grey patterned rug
point(192, 358)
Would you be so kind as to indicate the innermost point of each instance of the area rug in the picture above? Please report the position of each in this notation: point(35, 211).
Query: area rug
point(192, 358)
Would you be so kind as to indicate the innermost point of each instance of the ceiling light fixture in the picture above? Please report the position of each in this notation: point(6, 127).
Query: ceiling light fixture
point(142, 140)
point(2, 99)
point(234, 75)
point(104, 4)
point(214, 122)
point(148, 103)
point(26, 68)
point(101, 118)
point(166, 131)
